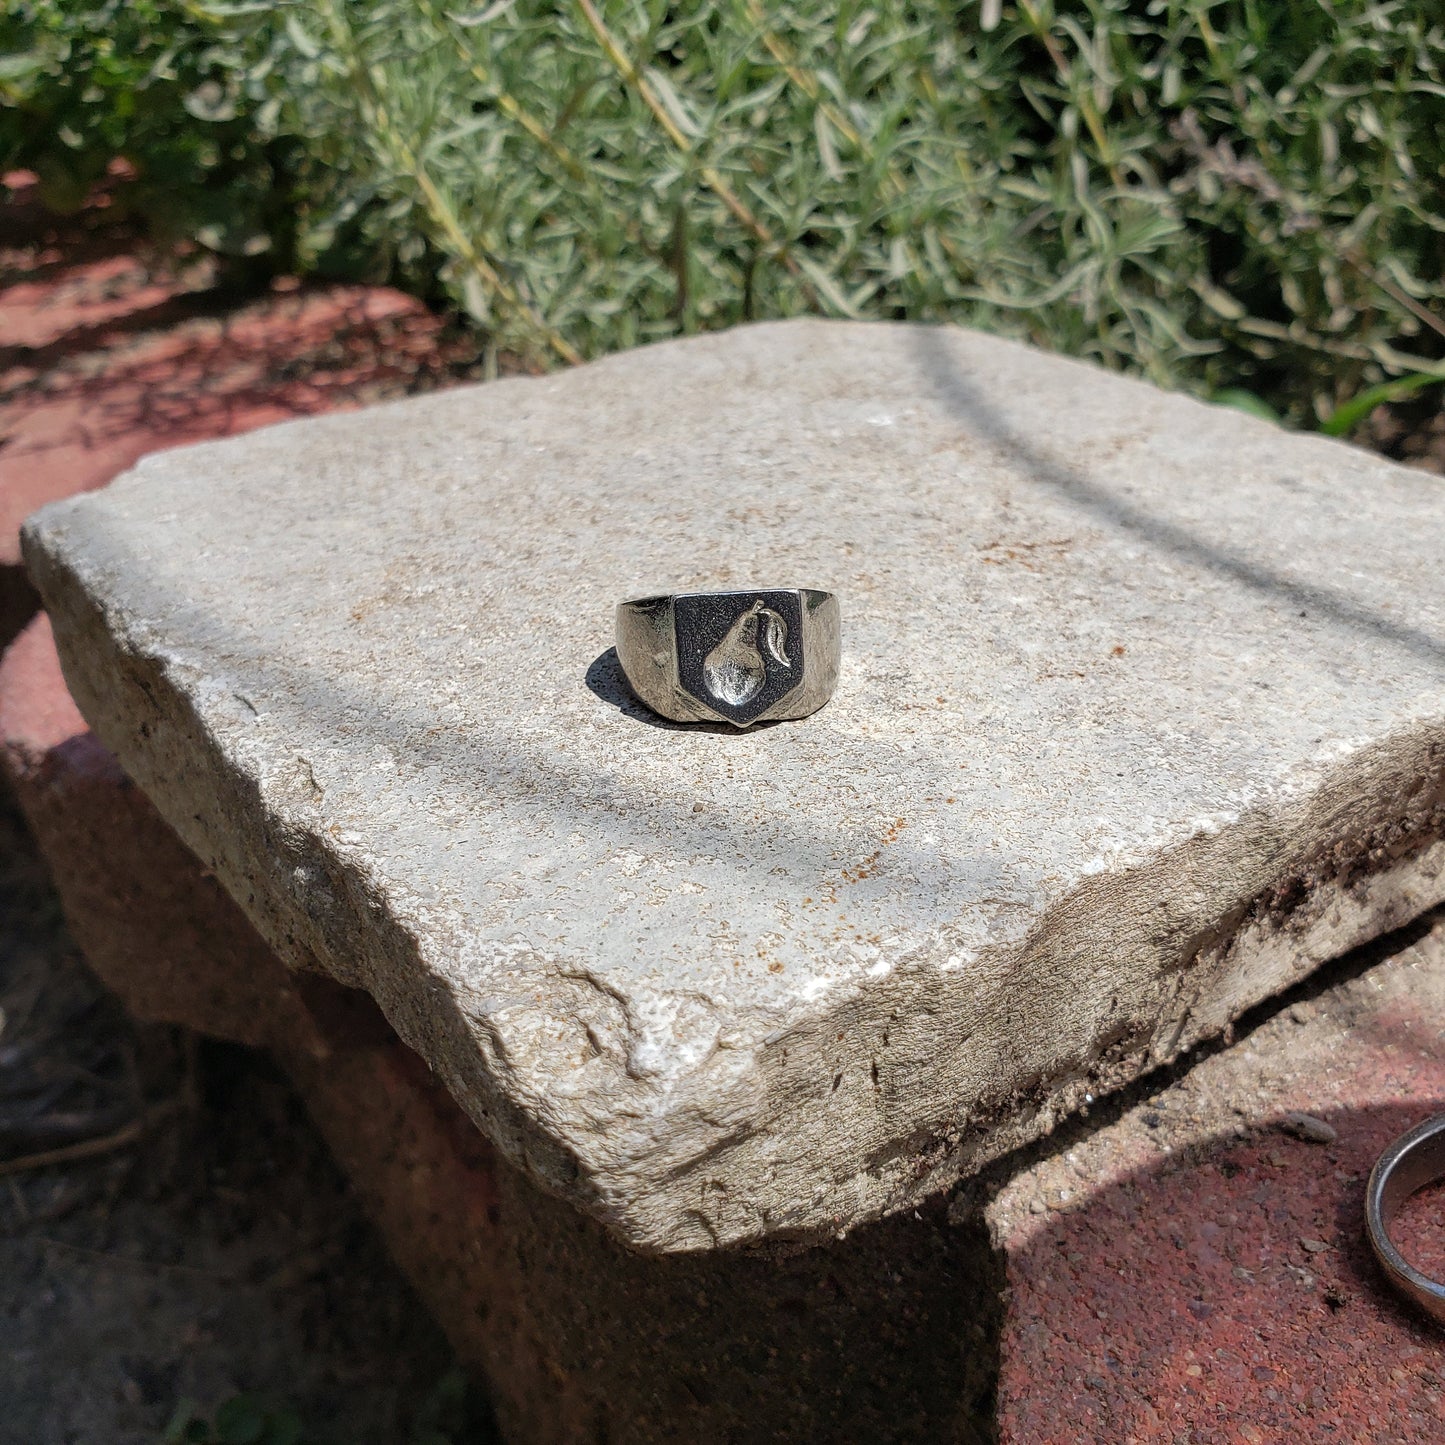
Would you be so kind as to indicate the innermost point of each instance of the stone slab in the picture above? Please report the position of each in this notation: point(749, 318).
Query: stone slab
point(1140, 720)
point(1197, 1270)
point(890, 1334)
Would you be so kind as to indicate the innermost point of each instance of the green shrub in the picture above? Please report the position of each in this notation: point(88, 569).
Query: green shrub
point(1214, 193)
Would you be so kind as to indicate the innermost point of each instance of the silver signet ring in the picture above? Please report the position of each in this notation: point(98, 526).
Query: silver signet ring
point(1410, 1163)
point(734, 657)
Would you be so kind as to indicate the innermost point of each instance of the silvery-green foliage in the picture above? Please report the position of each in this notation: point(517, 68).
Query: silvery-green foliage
point(1210, 192)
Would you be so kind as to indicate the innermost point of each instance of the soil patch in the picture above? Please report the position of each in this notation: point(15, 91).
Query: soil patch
point(221, 1253)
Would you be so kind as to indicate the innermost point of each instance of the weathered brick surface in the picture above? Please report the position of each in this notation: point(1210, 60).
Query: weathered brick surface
point(1197, 1272)
point(152, 923)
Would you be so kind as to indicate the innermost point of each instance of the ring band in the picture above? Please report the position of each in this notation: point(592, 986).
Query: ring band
point(1410, 1163)
point(739, 657)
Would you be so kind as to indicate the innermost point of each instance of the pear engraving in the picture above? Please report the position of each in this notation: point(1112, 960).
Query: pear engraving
point(734, 670)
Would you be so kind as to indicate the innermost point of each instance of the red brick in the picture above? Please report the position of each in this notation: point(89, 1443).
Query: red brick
point(1165, 1281)
point(140, 906)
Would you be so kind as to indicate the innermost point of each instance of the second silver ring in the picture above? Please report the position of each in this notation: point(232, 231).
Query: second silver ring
point(1410, 1163)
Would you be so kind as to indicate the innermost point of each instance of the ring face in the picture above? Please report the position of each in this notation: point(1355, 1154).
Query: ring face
point(738, 657)
point(739, 653)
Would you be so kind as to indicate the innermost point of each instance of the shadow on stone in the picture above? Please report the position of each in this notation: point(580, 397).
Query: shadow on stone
point(606, 679)
point(956, 390)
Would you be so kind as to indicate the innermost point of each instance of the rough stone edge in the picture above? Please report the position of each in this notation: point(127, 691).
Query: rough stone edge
point(1322, 884)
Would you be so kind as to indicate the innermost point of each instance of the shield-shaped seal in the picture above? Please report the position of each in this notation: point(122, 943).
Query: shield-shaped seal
point(739, 653)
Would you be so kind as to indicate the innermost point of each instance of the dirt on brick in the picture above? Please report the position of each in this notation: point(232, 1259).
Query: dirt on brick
point(220, 1252)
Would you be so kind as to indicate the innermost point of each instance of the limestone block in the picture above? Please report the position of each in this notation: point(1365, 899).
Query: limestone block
point(1139, 721)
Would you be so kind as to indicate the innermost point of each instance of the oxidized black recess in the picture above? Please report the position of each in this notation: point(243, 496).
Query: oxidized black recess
point(739, 653)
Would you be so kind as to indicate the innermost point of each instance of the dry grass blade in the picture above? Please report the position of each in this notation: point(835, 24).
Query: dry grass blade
point(122, 1138)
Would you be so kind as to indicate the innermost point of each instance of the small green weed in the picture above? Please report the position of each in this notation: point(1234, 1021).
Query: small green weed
point(446, 1415)
point(1345, 418)
point(241, 1420)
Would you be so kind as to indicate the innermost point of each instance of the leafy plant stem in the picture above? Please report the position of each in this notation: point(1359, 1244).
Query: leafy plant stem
point(632, 76)
point(441, 212)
